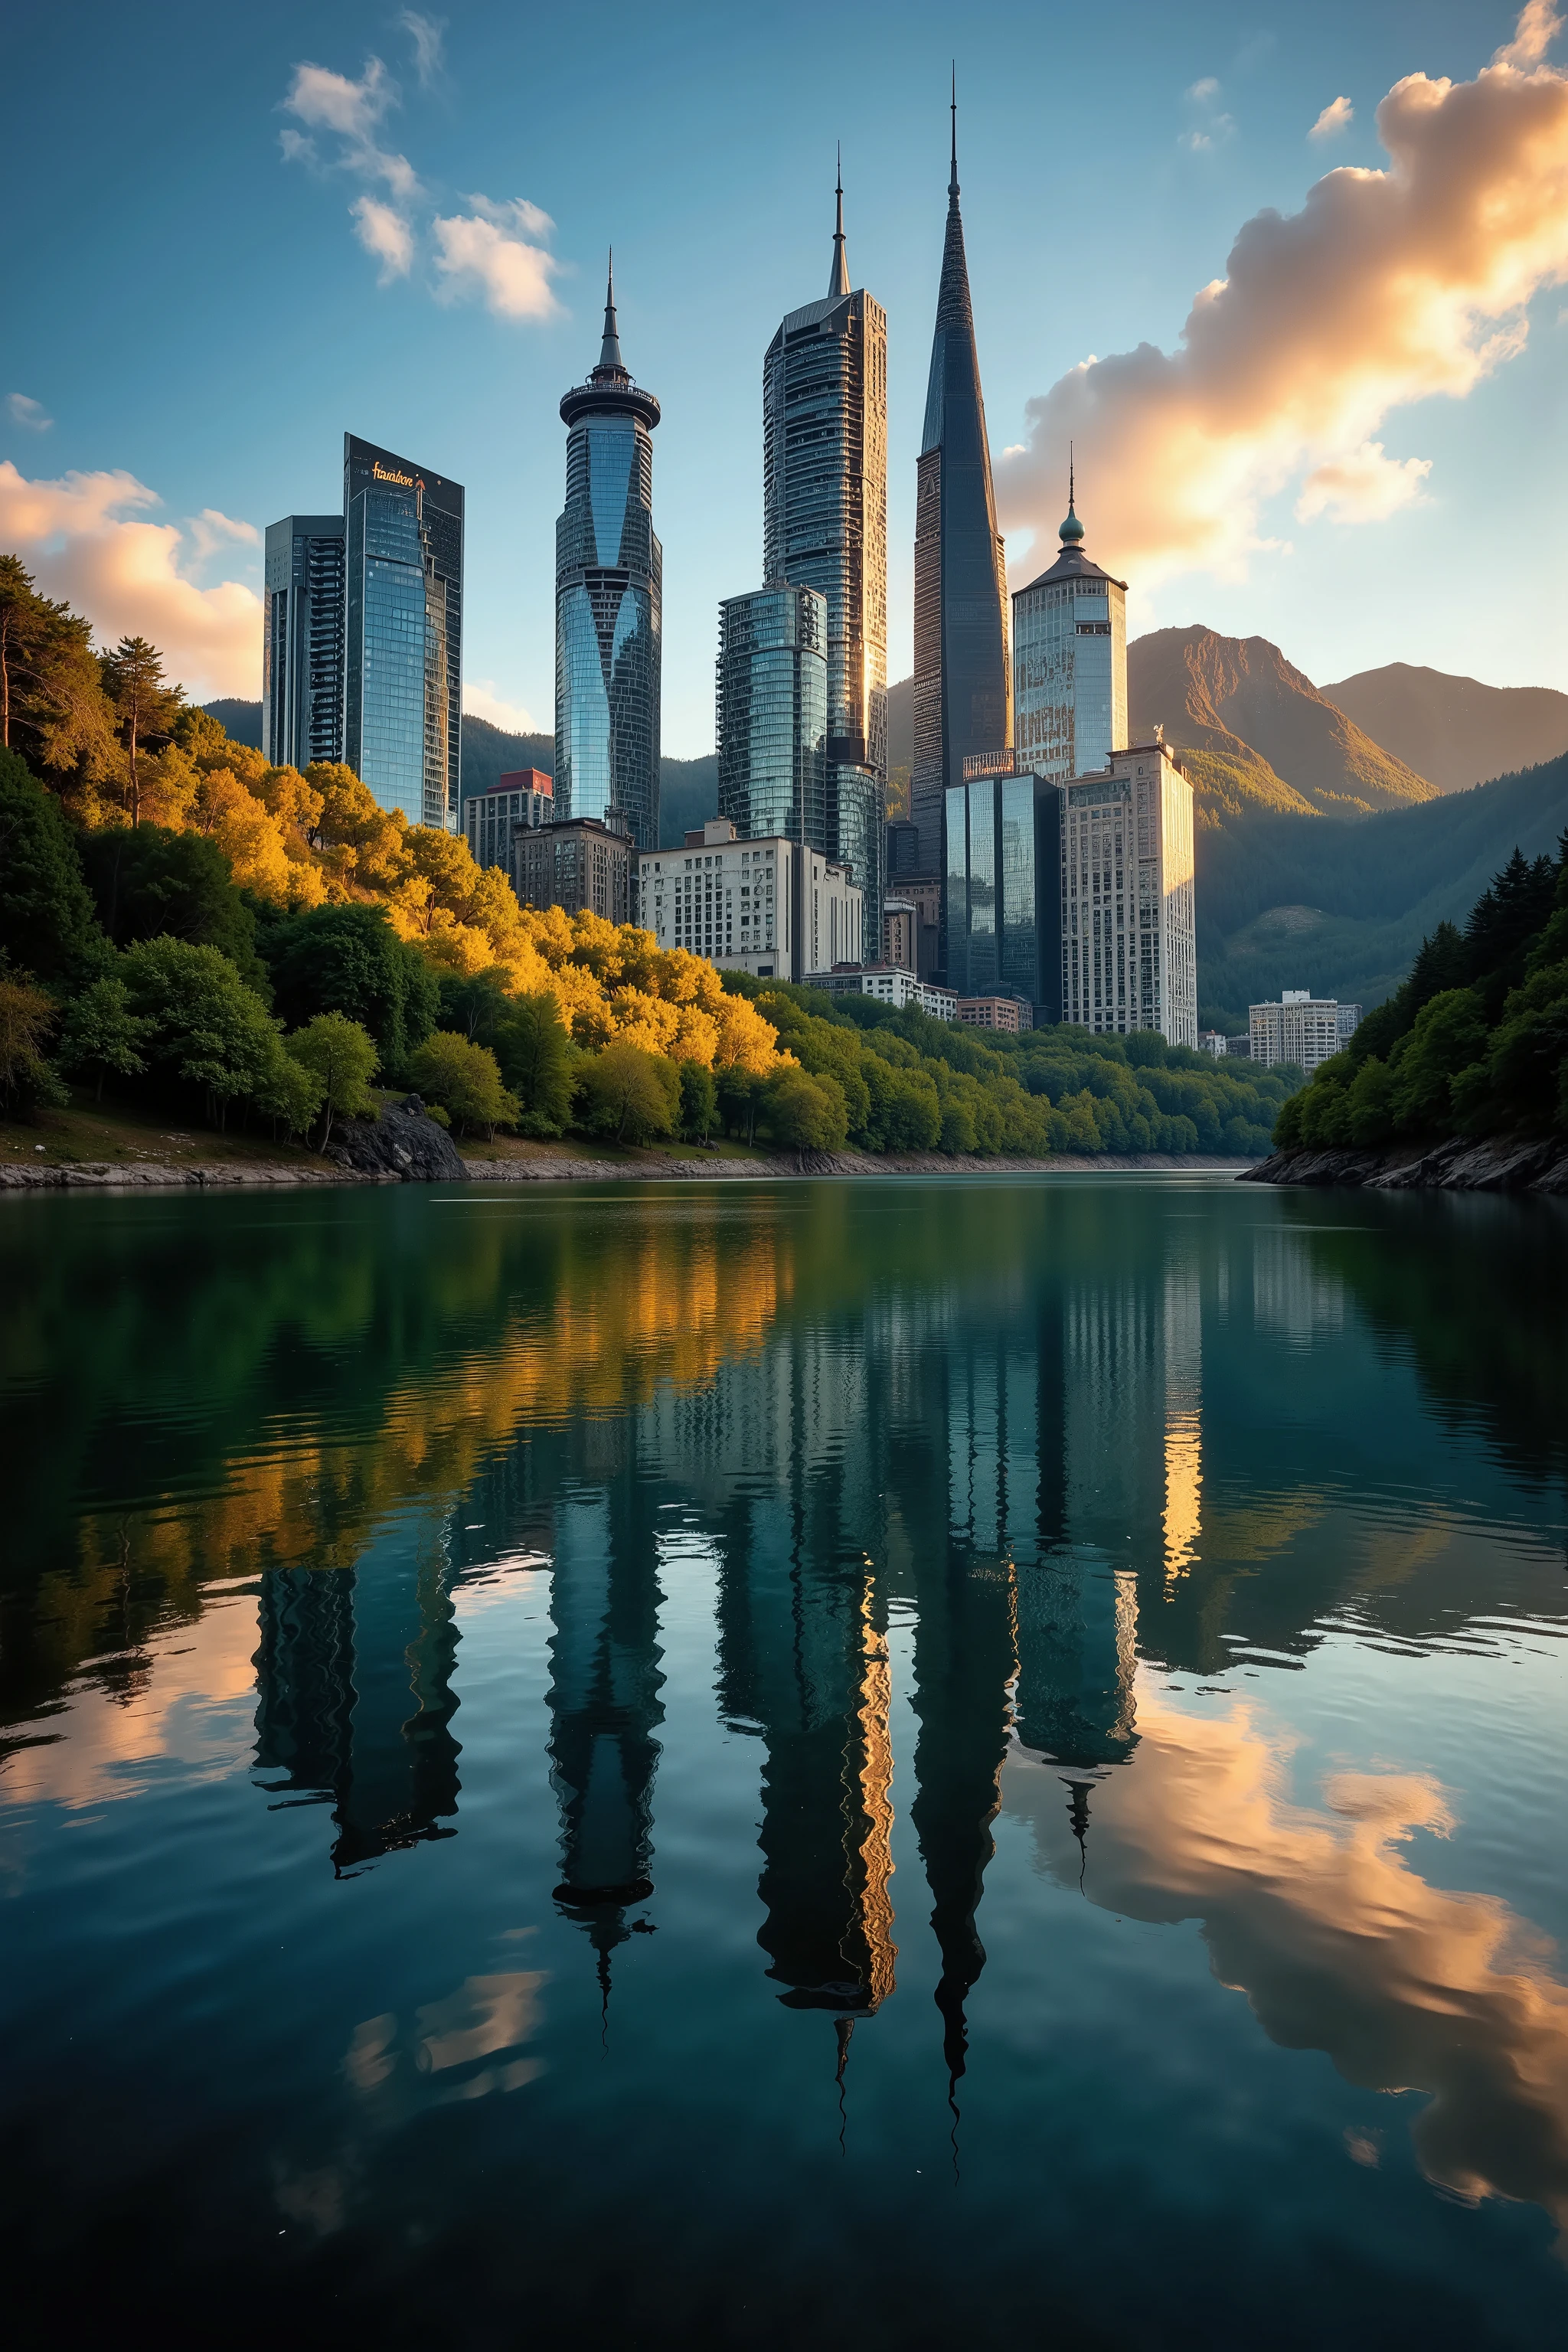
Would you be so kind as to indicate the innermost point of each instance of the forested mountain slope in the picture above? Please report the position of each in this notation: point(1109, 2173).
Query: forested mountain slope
point(1454, 730)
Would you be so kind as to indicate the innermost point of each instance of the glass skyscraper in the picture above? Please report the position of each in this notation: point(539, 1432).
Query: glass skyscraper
point(302, 641)
point(609, 576)
point(824, 526)
point(1070, 662)
point(773, 706)
point(1002, 889)
point(403, 665)
point(963, 695)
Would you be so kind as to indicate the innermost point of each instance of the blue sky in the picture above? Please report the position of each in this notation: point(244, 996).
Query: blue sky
point(195, 308)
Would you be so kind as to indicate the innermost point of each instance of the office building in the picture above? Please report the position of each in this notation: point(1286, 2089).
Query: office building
point(1070, 662)
point(1008, 1013)
point(962, 692)
point(771, 714)
point(402, 641)
point(889, 985)
point(1002, 898)
point(768, 907)
point(1129, 953)
point(576, 864)
point(302, 641)
point(1301, 1028)
point(824, 526)
point(900, 932)
point(609, 576)
point(519, 801)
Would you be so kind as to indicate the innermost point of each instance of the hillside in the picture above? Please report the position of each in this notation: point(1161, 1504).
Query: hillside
point(1454, 730)
point(1259, 734)
point(688, 789)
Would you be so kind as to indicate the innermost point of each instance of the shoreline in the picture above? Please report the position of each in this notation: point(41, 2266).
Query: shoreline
point(1517, 1163)
point(548, 1169)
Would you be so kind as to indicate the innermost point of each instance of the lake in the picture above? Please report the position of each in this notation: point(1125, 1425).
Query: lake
point(838, 1763)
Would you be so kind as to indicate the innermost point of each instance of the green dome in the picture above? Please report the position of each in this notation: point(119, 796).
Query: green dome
point(1071, 531)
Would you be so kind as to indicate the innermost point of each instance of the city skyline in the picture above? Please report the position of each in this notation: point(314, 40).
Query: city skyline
point(154, 480)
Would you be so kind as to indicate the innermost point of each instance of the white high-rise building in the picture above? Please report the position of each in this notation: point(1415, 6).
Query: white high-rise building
point(1070, 663)
point(769, 907)
point(1128, 950)
point(1301, 1028)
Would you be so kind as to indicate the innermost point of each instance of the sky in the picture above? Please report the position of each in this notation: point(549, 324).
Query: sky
point(1294, 282)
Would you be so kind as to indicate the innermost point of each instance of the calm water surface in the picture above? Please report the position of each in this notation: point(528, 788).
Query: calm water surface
point(837, 1764)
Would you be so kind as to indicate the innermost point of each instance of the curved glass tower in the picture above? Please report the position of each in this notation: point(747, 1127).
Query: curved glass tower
point(772, 714)
point(609, 570)
point(963, 701)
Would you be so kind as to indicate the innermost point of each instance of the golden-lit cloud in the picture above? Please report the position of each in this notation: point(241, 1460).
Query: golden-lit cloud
point(495, 252)
point(481, 700)
point(1315, 1912)
point(1337, 116)
point(85, 537)
point(1387, 288)
point(386, 233)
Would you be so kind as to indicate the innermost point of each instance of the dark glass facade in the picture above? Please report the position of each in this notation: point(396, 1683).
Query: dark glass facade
point(403, 639)
point(1003, 885)
point(771, 714)
point(962, 693)
point(824, 526)
point(302, 641)
point(609, 590)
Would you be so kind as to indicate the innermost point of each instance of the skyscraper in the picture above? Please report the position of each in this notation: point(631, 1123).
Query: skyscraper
point(402, 659)
point(609, 574)
point(773, 706)
point(1069, 657)
point(824, 526)
point(963, 702)
point(302, 641)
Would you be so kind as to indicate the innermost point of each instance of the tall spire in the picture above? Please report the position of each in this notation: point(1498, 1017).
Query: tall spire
point(1071, 532)
point(610, 352)
point(953, 176)
point(839, 277)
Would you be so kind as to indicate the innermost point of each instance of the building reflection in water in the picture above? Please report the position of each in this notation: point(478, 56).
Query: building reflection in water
point(354, 1695)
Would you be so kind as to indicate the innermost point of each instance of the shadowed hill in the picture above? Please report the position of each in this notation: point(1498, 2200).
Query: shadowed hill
point(1454, 730)
point(1259, 734)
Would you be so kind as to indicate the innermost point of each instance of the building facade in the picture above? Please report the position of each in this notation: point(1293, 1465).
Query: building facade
point(517, 802)
point(1070, 663)
point(402, 639)
point(302, 641)
point(824, 526)
point(577, 864)
point(1000, 890)
point(771, 714)
point(610, 591)
point(1128, 946)
point(767, 907)
point(900, 932)
point(1301, 1028)
point(962, 688)
point(1009, 1013)
point(889, 985)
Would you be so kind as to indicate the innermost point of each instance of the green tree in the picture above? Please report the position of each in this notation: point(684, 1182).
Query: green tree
point(205, 1029)
point(536, 1058)
point(1448, 1035)
point(740, 1100)
point(349, 960)
point(27, 1019)
point(343, 1058)
point(52, 705)
point(47, 922)
point(103, 1034)
point(145, 706)
point(476, 1005)
point(630, 1093)
point(806, 1113)
point(152, 883)
point(465, 1079)
point(699, 1102)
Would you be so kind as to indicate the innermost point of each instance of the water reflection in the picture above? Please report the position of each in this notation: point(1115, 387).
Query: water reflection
point(1064, 1445)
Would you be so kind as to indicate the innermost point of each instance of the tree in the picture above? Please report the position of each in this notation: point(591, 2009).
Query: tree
point(339, 1053)
point(477, 1004)
point(145, 707)
point(27, 1018)
point(52, 706)
point(465, 1079)
point(536, 1059)
point(101, 1033)
point(349, 960)
point(290, 1096)
point(630, 1093)
point(152, 884)
point(699, 1102)
point(204, 1027)
point(806, 1113)
point(740, 1100)
point(48, 923)
point(1448, 1035)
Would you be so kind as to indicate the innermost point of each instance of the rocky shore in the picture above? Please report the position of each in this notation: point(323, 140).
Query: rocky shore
point(1501, 1164)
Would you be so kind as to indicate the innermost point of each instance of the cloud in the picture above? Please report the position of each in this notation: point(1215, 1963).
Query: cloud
point(1215, 126)
point(1207, 88)
point(351, 112)
point(1388, 287)
point(480, 700)
point(213, 530)
point(31, 415)
point(1540, 22)
point(1335, 117)
point(384, 232)
point(487, 252)
point(425, 32)
point(83, 538)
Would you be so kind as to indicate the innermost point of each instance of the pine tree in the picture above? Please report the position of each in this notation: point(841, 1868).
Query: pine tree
point(145, 707)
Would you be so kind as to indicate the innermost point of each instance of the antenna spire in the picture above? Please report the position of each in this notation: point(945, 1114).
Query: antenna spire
point(610, 352)
point(839, 275)
point(953, 177)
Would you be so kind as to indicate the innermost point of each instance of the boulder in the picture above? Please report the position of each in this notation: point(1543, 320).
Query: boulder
point(404, 1142)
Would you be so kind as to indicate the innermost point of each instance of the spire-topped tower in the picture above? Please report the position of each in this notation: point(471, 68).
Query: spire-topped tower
point(1069, 633)
point(839, 275)
point(963, 689)
point(610, 361)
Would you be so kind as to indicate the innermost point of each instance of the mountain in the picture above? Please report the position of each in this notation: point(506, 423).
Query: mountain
point(1256, 733)
point(1454, 730)
point(688, 789)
